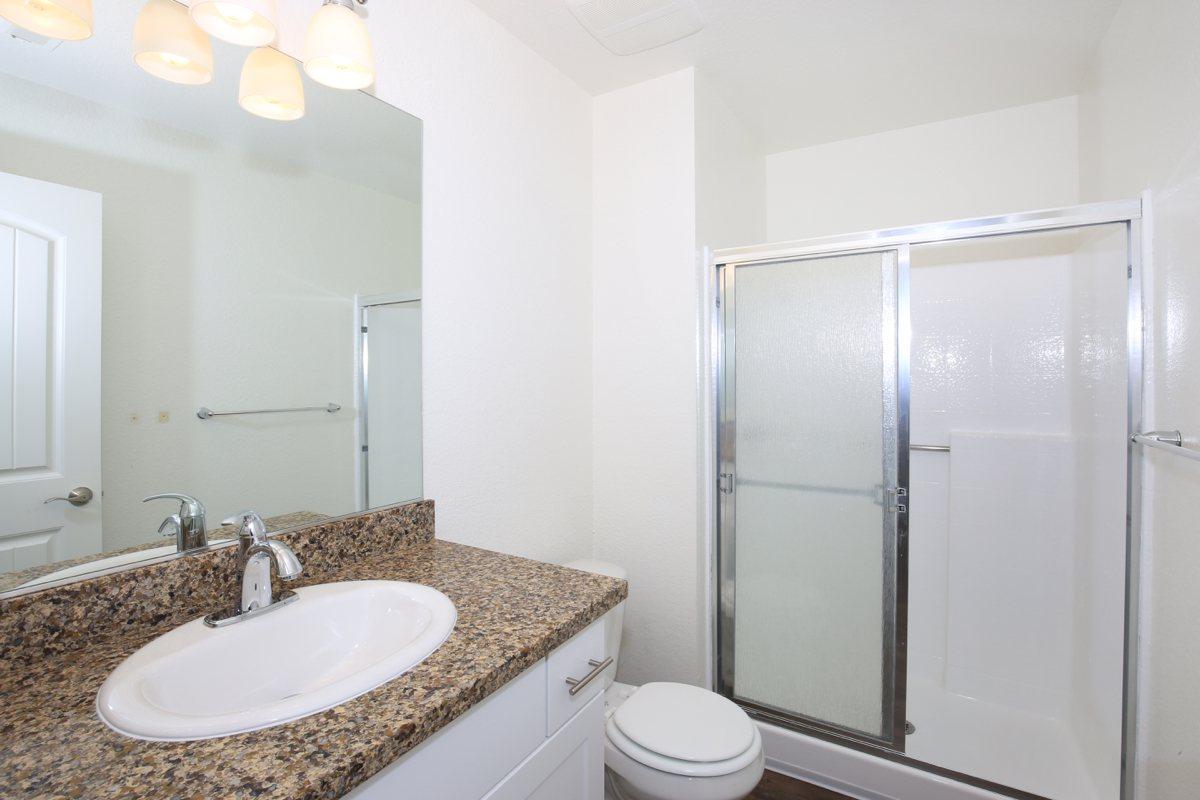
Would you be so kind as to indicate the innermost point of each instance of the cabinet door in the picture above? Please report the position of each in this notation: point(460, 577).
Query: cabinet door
point(464, 759)
point(569, 766)
point(576, 660)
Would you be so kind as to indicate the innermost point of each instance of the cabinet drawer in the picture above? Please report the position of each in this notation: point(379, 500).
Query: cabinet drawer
point(575, 660)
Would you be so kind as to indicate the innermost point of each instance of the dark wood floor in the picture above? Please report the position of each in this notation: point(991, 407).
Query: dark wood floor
point(774, 786)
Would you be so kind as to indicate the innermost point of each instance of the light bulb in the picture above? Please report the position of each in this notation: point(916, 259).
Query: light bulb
point(270, 86)
point(337, 48)
point(168, 45)
point(68, 20)
point(245, 22)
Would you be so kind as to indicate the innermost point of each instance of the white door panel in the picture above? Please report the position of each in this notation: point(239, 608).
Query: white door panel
point(50, 265)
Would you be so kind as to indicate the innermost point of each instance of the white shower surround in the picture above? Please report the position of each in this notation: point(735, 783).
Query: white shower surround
point(1017, 535)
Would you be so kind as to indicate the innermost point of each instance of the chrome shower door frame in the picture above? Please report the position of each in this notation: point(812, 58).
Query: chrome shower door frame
point(896, 335)
point(362, 311)
point(725, 263)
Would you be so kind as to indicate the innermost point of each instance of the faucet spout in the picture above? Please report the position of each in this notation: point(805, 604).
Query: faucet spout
point(257, 554)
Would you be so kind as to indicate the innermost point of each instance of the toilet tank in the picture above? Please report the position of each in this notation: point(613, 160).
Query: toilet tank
point(614, 619)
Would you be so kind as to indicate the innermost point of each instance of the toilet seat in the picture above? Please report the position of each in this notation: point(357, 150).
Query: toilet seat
point(684, 730)
point(676, 766)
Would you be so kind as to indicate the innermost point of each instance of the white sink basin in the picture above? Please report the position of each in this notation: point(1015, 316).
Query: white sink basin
point(337, 641)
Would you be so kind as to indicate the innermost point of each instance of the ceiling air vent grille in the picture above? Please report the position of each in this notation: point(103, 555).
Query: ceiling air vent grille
point(632, 26)
point(28, 37)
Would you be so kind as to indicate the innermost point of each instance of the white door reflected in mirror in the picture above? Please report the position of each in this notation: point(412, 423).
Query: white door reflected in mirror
point(49, 372)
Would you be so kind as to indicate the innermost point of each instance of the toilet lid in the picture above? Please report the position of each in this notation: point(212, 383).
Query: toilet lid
point(685, 723)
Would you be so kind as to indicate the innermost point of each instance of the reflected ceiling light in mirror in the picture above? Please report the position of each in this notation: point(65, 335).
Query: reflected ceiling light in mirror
point(337, 47)
point(168, 45)
point(246, 22)
point(270, 86)
point(68, 20)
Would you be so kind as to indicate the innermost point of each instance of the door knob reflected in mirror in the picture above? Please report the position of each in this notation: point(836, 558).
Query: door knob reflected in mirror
point(79, 496)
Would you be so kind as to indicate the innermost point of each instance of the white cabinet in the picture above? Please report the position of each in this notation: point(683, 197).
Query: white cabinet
point(568, 766)
point(577, 659)
point(530, 740)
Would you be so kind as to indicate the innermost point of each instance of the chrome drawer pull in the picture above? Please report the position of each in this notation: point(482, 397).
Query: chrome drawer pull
point(577, 684)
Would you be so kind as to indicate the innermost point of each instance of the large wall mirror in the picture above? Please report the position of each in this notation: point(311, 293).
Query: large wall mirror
point(169, 263)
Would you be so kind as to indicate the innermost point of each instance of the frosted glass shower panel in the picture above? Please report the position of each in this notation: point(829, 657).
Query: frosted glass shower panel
point(816, 410)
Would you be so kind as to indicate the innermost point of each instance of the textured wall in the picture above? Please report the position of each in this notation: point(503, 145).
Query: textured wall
point(506, 278)
point(1017, 159)
point(646, 451)
point(1140, 125)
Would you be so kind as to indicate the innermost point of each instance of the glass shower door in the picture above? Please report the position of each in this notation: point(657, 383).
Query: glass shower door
point(813, 468)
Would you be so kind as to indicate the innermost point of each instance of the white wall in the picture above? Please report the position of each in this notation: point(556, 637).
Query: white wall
point(1140, 126)
point(178, 331)
point(731, 174)
point(1016, 159)
point(645, 377)
point(506, 279)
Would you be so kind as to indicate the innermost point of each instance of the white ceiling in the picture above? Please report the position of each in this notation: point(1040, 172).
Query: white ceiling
point(349, 135)
point(803, 72)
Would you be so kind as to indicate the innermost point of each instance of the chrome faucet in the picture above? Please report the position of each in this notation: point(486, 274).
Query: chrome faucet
point(256, 554)
point(188, 525)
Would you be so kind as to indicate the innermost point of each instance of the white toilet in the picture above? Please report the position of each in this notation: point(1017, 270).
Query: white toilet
point(671, 741)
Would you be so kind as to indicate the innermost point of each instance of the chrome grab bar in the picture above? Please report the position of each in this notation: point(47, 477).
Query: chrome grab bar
point(577, 684)
point(208, 413)
point(930, 448)
point(1171, 441)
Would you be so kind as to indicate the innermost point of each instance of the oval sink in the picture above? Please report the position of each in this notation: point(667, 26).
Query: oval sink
point(335, 642)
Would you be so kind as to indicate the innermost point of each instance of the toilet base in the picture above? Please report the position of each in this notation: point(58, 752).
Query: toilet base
point(643, 783)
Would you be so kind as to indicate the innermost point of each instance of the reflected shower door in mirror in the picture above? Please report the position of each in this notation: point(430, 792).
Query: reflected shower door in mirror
point(390, 397)
point(181, 285)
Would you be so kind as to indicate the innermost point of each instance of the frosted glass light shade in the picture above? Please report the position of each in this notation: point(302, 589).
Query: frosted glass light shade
point(270, 86)
point(69, 20)
point(246, 22)
point(337, 49)
point(168, 45)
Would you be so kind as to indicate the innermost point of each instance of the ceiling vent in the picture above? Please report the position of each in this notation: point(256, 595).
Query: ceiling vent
point(28, 37)
point(632, 26)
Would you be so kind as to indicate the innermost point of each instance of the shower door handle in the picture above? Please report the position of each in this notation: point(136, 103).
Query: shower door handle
point(894, 496)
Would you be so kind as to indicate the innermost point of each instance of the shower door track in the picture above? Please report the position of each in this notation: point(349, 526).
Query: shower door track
point(1126, 212)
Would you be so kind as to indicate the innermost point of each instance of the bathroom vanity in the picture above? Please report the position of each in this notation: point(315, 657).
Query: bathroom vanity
point(531, 739)
point(488, 714)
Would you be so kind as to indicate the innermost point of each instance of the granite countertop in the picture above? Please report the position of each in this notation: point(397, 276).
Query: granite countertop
point(511, 613)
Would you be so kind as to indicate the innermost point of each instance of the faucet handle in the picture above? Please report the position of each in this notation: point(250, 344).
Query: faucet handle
point(250, 525)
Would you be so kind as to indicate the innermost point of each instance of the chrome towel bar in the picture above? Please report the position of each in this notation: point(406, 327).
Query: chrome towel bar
point(1171, 441)
point(208, 413)
point(930, 448)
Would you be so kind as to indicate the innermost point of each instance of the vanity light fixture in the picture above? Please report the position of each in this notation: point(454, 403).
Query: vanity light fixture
point(337, 47)
point(270, 86)
point(246, 22)
point(168, 45)
point(68, 20)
